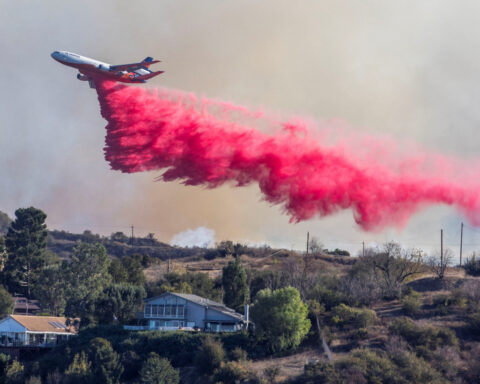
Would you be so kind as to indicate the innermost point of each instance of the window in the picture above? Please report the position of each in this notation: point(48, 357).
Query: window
point(168, 310)
point(148, 310)
point(161, 310)
point(180, 310)
point(154, 310)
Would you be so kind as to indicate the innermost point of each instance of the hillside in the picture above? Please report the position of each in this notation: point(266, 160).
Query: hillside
point(118, 245)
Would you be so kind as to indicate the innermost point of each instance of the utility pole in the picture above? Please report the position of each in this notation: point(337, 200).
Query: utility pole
point(441, 247)
point(461, 244)
point(363, 248)
point(132, 234)
point(308, 241)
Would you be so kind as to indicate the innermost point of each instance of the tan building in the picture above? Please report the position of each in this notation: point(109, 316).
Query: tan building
point(34, 331)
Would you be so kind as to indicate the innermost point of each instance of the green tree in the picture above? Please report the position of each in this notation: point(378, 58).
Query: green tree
point(79, 371)
point(6, 302)
point(117, 271)
point(280, 318)
point(209, 356)
point(50, 289)
point(156, 370)
point(119, 302)
point(127, 270)
point(225, 247)
point(203, 286)
point(87, 276)
point(134, 268)
point(106, 367)
point(235, 287)
point(120, 237)
point(198, 283)
point(26, 242)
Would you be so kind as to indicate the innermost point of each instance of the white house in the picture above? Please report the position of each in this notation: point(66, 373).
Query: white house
point(172, 311)
point(34, 331)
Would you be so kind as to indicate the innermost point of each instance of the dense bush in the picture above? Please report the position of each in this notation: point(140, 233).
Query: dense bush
point(238, 354)
point(424, 339)
point(445, 304)
point(474, 322)
point(470, 291)
point(412, 303)
point(209, 356)
point(232, 372)
point(365, 366)
point(327, 291)
point(339, 252)
point(472, 266)
point(355, 317)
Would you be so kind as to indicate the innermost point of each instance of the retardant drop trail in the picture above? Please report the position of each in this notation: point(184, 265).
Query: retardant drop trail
point(196, 142)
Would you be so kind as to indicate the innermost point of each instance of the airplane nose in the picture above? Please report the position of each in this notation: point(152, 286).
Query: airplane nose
point(54, 55)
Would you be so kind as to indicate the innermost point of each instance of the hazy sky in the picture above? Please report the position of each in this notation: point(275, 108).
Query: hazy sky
point(404, 69)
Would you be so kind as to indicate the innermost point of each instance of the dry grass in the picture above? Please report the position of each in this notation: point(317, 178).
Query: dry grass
point(290, 366)
point(213, 268)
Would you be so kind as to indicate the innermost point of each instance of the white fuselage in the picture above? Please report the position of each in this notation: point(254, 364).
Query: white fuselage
point(74, 59)
point(78, 61)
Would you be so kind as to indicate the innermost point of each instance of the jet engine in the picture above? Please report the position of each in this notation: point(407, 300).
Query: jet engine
point(82, 77)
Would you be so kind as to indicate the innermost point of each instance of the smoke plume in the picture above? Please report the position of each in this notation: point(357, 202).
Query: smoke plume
point(208, 143)
point(199, 237)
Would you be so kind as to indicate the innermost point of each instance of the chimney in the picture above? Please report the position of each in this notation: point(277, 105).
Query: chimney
point(246, 315)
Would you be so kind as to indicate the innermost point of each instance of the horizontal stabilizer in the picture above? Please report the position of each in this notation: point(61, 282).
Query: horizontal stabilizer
point(149, 76)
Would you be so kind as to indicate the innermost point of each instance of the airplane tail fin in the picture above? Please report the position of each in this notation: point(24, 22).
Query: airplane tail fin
point(149, 61)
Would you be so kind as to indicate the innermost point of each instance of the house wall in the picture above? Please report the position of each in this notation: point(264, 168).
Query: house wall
point(196, 314)
point(193, 312)
point(10, 325)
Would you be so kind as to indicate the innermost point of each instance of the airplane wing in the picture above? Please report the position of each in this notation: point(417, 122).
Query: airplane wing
point(134, 66)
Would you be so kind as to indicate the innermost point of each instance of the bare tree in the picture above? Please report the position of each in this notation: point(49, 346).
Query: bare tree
point(316, 246)
point(301, 273)
point(394, 265)
point(362, 288)
point(438, 264)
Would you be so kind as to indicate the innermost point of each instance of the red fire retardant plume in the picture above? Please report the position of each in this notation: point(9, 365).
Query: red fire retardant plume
point(199, 143)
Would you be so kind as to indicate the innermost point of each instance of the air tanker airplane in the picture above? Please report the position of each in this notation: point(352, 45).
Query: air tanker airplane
point(89, 68)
